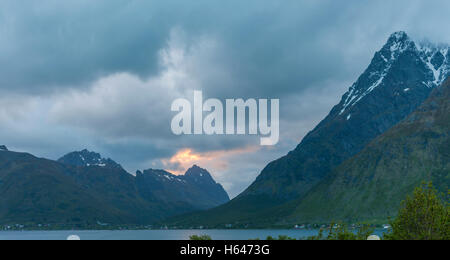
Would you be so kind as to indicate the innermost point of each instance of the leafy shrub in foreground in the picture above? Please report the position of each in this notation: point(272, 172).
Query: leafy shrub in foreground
point(423, 216)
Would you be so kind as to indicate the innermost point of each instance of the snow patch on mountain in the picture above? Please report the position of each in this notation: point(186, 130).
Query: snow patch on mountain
point(435, 58)
point(86, 158)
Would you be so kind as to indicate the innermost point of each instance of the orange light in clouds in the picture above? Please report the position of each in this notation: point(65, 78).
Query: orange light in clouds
point(216, 160)
point(185, 156)
point(182, 160)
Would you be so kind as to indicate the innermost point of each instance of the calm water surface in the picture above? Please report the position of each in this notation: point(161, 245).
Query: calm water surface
point(157, 234)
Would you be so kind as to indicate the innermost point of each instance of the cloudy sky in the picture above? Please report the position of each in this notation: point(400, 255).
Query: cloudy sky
point(102, 74)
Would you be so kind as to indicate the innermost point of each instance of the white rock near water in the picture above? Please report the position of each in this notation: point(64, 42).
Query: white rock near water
point(73, 237)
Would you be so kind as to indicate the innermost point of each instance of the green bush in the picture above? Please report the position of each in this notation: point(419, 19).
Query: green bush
point(280, 238)
point(342, 232)
point(423, 216)
point(197, 238)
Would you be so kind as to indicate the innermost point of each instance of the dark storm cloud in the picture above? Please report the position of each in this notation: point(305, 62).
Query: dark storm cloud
point(51, 44)
point(283, 44)
point(102, 74)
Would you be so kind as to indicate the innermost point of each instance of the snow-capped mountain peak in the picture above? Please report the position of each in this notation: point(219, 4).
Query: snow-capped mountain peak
point(398, 43)
point(395, 84)
point(86, 158)
point(399, 53)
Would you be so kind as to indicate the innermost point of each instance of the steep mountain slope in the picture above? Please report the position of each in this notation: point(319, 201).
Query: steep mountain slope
point(200, 178)
point(398, 80)
point(196, 187)
point(371, 185)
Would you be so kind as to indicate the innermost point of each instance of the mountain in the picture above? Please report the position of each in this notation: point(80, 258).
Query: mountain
point(202, 180)
point(196, 187)
point(34, 190)
point(86, 158)
point(371, 185)
point(398, 80)
point(82, 189)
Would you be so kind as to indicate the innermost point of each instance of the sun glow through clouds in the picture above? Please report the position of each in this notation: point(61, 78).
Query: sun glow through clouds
point(214, 161)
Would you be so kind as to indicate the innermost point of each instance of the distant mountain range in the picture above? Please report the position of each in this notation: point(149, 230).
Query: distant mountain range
point(196, 187)
point(297, 187)
point(83, 189)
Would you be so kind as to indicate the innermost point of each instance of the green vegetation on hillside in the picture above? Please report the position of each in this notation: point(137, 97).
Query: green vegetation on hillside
point(371, 185)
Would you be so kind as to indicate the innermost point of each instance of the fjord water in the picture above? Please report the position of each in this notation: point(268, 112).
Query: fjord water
point(159, 234)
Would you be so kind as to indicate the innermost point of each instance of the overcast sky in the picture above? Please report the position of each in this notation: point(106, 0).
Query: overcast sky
point(102, 74)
